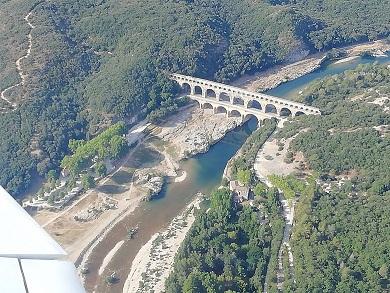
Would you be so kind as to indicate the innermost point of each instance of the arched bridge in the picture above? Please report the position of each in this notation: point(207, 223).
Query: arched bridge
point(234, 101)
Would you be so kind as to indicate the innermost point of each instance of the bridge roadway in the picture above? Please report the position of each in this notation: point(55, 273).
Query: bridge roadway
point(239, 102)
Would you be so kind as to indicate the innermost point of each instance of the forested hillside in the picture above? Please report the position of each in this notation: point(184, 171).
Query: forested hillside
point(351, 138)
point(95, 61)
point(342, 243)
point(341, 240)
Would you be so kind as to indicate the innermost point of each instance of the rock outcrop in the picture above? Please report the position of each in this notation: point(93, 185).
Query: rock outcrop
point(196, 134)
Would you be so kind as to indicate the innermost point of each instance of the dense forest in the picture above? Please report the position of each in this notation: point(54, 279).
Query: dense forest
point(342, 243)
point(94, 62)
point(350, 137)
point(229, 248)
point(340, 239)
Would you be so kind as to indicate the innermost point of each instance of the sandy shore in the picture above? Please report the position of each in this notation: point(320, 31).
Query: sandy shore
point(154, 262)
point(109, 256)
point(181, 136)
point(345, 60)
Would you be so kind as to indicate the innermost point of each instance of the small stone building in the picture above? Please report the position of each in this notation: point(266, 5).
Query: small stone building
point(240, 191)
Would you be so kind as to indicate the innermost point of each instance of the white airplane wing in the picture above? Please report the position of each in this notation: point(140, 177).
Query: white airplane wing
point(30, 260)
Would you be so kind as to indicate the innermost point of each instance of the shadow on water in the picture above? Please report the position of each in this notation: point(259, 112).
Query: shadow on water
point(145, 156)
point(111, 189)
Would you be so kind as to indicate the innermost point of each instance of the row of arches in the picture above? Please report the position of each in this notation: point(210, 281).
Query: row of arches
point(236, 100)
point(232, 113)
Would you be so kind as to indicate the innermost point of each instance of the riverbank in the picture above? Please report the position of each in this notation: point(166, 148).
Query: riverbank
point(183, 135)
point(279, 74)
point(158, 152)
point(154, 261)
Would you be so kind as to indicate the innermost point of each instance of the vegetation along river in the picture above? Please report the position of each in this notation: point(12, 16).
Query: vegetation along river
point(204, 173)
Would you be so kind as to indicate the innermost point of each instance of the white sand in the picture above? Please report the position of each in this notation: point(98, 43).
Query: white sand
point(153, 262)
point(182, 177)
point(109, 256)
point(345, 60)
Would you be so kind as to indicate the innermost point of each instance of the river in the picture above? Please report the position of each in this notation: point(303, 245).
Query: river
point(204, 173)
point(292, 88)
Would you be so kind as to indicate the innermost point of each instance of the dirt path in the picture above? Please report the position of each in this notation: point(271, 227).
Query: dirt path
point(19, 65)
point(288, 215)
point(264, 167)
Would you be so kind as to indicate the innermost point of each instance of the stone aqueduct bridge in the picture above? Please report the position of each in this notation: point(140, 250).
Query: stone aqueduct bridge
point(237, 102)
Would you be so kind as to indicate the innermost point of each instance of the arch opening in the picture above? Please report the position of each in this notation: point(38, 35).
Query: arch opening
point(196, 103)
point(238, 101)
point(185, 89)
point(220, 110)
point(234, 113)
point(270, 109)
point(252, 120)
point(253, 104)
point(210, 94)
point(207, 106)
point(198, 90)
point(299, 113)
point(285, 112)
point(224, 97)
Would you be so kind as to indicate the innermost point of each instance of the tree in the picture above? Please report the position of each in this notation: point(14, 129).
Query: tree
point(260, 189)
point(193, 284)
point(74, 144)
point(52, 176)
point(100, 168)
point(87, 181)
point(244, 176)
point(117, 146)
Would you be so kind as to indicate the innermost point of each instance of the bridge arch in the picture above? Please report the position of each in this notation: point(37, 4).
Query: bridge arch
point(198, 90)
point(224, 97)
point(248, 117)
point(186, 88)
point(270, 108)
point(238, 101)
point(197, 104)
point(253, 104)
point(299, 113)
point(210, 93)
point(234, 113)
point(220, 110)
point(206, 106)
point(285, 112)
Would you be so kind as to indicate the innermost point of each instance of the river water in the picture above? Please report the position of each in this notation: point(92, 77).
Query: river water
point(204, 173)
point(292, 88)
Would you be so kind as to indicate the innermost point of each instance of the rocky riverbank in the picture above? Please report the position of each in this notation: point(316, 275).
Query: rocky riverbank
point(194, 130)
point(153, 263)
point(279, 74)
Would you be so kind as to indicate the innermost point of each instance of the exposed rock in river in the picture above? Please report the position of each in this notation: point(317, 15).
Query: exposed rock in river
point(197, 133)
point(152, 183)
